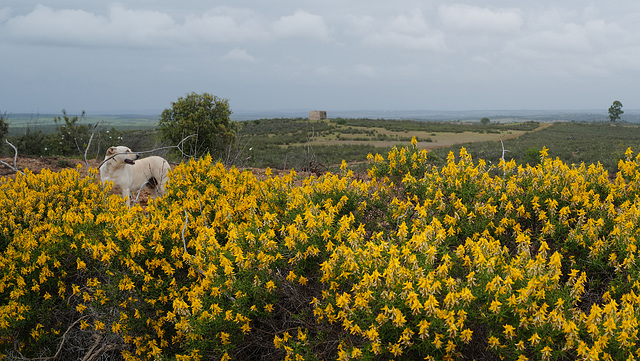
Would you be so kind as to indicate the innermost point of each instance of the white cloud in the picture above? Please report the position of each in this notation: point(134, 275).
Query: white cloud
point(143, 28)
point(64, 26)
point(366, 71)
point(323, 70)
point(406, 71)
point(302, 25)
point(570, 39)
point(482, 60)
point(225, 24)
point(239, 55)
point(441, 46)
point(407, 32)
point(122, 27)
point(477, 19)
point(139, 26)
point(414, 23)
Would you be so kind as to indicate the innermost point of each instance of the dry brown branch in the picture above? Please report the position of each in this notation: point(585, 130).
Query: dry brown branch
point(139, 191)
point(179, 147)
point(62, 342)
point(96, 352)
point(89, 145)
point(503, 150)
point(15, 158)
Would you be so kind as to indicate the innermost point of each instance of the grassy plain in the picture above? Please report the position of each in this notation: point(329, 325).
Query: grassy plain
point(18, 123)
point(285, 143)
point(571, 142)
point(300, 143)
point(295, 143)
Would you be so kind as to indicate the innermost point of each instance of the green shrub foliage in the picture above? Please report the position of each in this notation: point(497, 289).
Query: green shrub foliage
point(465, 260)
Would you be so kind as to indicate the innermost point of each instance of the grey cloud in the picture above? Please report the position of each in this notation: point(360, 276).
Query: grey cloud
point(81, 28)
point(302, 25)
point(409, 31)
point(128, 27)
point(238, 54)
point(225, 24)
point(5, 13)
point(478, 19)
point(241, 47)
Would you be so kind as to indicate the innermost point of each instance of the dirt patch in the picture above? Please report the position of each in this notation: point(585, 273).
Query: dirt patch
point(56, 164)
point(37, 164)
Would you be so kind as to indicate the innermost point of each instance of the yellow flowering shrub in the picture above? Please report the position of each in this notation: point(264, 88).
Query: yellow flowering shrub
point(416, 261)
point(57, 241)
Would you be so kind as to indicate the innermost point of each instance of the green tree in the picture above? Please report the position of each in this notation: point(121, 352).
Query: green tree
point(615, 111)
point(34, 142)
point(4, 126)
point(485, 121)
point(73, 137)
point(205, 119)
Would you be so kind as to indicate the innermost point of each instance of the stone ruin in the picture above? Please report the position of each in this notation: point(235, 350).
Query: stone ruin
point(317, 115)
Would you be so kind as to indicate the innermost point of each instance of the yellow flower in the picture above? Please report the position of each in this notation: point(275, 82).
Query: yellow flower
point(544, 152)
point(397, 317)
point(494, 342)
point(270, 286)
point(245, 328)
point(224, 338)
point(395, 349)
point(495, 306)
point(509, 331)
point(437, 342)
point(534, 339)
point(466, 335)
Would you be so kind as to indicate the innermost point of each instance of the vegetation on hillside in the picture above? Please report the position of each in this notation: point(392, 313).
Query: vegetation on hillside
point(300, 143)
point(318, 146)
point(573, 143)
point(464, 260)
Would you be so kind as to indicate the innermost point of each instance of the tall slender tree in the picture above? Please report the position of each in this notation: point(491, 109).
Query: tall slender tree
point(615, 111)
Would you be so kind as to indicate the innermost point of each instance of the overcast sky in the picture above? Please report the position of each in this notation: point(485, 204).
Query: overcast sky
point(141, 55)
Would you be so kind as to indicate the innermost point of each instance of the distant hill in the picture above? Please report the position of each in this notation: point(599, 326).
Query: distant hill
point(149, 120)
point(20, 121)
point(588, 115)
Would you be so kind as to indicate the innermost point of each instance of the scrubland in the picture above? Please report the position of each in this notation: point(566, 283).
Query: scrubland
point(459, 260)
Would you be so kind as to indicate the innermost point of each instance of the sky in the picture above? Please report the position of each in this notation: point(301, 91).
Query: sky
point(141, 55)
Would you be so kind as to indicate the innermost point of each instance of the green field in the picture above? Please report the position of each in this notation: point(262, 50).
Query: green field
point(298, 143)
point(18, 123)
point(573, 143)
point(286, 143)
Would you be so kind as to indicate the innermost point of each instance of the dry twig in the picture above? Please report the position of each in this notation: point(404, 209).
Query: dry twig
point(15, 158)
point(89, 145)
point(179, 147)
point(64, 339)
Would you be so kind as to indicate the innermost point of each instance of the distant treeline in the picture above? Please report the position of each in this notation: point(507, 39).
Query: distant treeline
point(433, 126)
point(285, 143)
